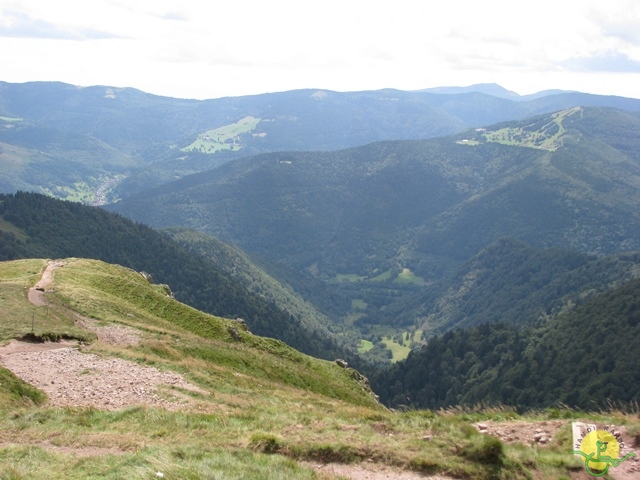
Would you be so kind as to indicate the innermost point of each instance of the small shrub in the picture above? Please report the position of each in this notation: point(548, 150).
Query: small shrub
point(265, 443)
point(487, 450)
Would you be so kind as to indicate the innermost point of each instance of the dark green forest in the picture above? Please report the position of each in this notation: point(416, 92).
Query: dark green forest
point(583, 359)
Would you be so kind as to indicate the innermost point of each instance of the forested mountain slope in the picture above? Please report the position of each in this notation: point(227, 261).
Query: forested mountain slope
point(569, 179)
point(511, 282)
point(512, 222)
point(584, 358)
point(257, 279)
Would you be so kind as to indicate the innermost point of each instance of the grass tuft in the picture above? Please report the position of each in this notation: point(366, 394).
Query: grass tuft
point(487, 450)
point(265, 443)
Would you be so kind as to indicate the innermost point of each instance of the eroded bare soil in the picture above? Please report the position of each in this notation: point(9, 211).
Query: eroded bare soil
point(71, 377)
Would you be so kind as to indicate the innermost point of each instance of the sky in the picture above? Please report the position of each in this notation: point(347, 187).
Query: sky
point(211, 49)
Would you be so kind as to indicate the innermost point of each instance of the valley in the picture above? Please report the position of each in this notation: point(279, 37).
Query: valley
point(386, 226)
point(311, 284)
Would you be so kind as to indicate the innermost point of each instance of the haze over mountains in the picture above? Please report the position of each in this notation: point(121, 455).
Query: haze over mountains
point(102, 140)
point(371, 219)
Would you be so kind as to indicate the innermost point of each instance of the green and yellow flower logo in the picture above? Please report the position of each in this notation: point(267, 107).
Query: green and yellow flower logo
point(600, 450)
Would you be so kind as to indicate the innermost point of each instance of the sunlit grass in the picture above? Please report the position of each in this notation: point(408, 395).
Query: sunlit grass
point(223, 138)
point(408, 277)
point(365, 346)
point(265, 406)
point(399, 352)
point(18, 317)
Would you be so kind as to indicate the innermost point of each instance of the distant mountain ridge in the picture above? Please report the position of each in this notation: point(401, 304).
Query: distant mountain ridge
point(494, 90)
point(95, 144)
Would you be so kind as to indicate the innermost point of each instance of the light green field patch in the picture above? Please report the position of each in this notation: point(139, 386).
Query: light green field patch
point(417, 336)
point(358, 304)
point(398, 352)
point(365, 346)
point(408, 277)
point(545, 134)
point(79, 192)
point(223, 138)
point(93, 191)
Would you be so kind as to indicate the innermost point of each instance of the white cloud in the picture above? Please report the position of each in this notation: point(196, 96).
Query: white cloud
point(211, 49)
point(21, 25)
point(606, 62)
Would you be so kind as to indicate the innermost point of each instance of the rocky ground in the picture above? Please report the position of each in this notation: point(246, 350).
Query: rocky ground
point(73, 378)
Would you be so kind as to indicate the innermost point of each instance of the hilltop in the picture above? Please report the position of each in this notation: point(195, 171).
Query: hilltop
point(232, 403)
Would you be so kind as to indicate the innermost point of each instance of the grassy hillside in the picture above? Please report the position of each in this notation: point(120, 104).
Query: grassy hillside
point(110, 293)
point(263, 407)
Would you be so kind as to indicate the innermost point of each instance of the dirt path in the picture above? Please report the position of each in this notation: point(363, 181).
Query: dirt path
point(17, 346)
point(74, 378)
point(36, 293)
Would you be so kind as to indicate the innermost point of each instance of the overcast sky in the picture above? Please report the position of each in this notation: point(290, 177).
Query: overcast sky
point(210, 49)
